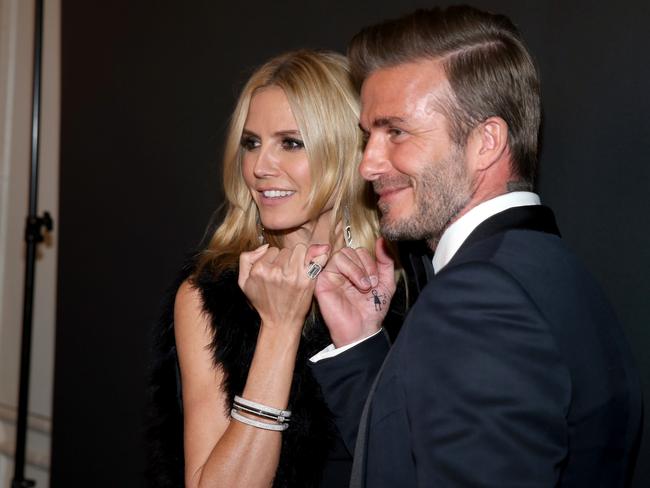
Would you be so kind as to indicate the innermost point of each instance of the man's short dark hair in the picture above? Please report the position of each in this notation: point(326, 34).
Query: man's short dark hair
point(487, 65)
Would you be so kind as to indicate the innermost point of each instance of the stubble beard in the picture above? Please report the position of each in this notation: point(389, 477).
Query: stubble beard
point(443, 189)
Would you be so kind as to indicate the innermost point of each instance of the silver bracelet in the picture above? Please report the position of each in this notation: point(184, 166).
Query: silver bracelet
point(256, 423)
point(262, 410)
point(259, 413)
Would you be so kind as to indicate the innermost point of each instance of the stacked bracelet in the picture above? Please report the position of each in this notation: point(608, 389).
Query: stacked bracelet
point(280, 417)
point(256, 423)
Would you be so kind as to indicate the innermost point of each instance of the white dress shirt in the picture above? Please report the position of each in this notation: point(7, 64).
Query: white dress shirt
point(451, 240)
point(454, 236)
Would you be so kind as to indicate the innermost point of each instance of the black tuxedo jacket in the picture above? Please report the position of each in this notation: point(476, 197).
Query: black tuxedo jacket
point(510, 370)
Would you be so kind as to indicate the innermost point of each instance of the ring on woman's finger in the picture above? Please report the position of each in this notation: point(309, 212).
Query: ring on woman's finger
point(313, 270)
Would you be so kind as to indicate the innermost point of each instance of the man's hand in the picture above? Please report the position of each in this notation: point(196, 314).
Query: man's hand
point(354, 292)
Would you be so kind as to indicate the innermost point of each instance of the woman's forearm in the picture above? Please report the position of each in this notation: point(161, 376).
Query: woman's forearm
point(246, 455)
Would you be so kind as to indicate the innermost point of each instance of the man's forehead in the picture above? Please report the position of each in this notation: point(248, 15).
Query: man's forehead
point(397, 92)
point(414, 73)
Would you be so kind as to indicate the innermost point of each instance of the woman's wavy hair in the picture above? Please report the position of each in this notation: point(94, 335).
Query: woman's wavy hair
point(325, 105)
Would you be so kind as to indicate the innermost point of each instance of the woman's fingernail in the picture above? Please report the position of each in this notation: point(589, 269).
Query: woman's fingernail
point(374, 280)
point(366, 282)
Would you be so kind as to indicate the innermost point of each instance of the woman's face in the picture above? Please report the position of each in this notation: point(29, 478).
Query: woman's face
point(274, 161)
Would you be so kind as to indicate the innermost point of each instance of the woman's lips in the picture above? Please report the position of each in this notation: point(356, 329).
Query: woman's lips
point(273, 197)
point(276, 193)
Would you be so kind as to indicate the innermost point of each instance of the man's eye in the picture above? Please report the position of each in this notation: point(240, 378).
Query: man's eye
point(292, 144)
point(395, 132)
point(249, 143)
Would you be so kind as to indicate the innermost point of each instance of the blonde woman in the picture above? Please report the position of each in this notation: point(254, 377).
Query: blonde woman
point(244, 318)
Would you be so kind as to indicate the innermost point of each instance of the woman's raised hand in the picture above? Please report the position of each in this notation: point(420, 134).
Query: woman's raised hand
point(276, 282)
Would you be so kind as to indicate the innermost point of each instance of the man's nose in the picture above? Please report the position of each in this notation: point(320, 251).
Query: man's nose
point(375, 161)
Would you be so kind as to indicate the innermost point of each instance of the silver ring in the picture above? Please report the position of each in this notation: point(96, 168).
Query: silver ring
point(313, 270)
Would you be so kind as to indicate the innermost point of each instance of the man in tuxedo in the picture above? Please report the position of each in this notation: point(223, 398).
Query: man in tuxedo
point(511, 369)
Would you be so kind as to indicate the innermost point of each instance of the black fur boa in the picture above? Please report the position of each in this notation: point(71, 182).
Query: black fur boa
point(311, 436)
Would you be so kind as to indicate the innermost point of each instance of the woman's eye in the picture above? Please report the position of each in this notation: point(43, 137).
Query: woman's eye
point(291, 144)
point(249, 143)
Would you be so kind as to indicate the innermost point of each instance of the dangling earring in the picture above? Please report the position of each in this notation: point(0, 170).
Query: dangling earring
point(260, 230)
point(347, 230)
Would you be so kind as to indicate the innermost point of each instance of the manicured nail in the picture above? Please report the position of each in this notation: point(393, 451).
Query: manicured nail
point(366, 282)
point(374, 280)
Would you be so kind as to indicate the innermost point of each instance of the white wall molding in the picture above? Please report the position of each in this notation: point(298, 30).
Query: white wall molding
point(39, 429)
point(35, 422)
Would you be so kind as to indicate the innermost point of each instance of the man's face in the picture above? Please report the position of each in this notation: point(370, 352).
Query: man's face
point(419, 174)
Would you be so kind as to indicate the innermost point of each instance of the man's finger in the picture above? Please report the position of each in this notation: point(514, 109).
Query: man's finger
point(349, 267)
point(385, 263)
point(369, 264)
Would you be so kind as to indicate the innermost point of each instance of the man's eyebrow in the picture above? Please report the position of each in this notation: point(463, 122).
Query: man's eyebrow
point(383, 121)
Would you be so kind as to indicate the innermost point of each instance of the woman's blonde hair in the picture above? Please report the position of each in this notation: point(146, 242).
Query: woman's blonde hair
point(325, 105)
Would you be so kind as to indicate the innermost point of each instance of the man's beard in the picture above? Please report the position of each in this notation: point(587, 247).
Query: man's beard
point(443, 189)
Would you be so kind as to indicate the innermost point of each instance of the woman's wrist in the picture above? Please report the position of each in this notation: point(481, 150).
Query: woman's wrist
point(280, 337)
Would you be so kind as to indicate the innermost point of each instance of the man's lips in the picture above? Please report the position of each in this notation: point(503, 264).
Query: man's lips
point(391, 184)
point(388, 193)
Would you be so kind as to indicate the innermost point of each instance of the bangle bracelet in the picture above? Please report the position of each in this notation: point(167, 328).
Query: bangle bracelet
point(261, 409)
point(256, 423)
point(259, 413)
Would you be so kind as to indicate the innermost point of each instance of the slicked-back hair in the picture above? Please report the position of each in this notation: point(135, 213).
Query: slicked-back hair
point(489, 70)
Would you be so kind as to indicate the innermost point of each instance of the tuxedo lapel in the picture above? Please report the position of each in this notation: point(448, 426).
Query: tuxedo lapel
point(530, 217)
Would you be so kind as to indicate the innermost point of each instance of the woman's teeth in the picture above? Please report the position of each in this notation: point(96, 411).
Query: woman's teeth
point(277, 193)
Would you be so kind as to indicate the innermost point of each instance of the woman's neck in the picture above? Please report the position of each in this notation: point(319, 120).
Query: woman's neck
point(315, 232)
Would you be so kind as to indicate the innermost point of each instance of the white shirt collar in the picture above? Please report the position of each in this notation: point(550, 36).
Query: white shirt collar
point(456, 233)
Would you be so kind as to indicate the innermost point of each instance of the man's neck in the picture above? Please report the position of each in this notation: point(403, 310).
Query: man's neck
point(455, 234)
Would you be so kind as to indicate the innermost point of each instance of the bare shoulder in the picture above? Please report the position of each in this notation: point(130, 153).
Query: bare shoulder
point(188, 305)
point(193, 333)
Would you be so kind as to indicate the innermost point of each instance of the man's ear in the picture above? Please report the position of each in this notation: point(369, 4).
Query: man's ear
point(488, 143)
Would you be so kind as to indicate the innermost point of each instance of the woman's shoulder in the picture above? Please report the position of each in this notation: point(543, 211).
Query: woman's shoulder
point(218, 292)
point(198, 289)
point(209, 279)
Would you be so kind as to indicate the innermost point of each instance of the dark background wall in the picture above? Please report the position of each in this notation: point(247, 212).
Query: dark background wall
point(147, 89)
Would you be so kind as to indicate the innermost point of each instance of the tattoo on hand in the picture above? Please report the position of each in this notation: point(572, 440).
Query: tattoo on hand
point(378, 300)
